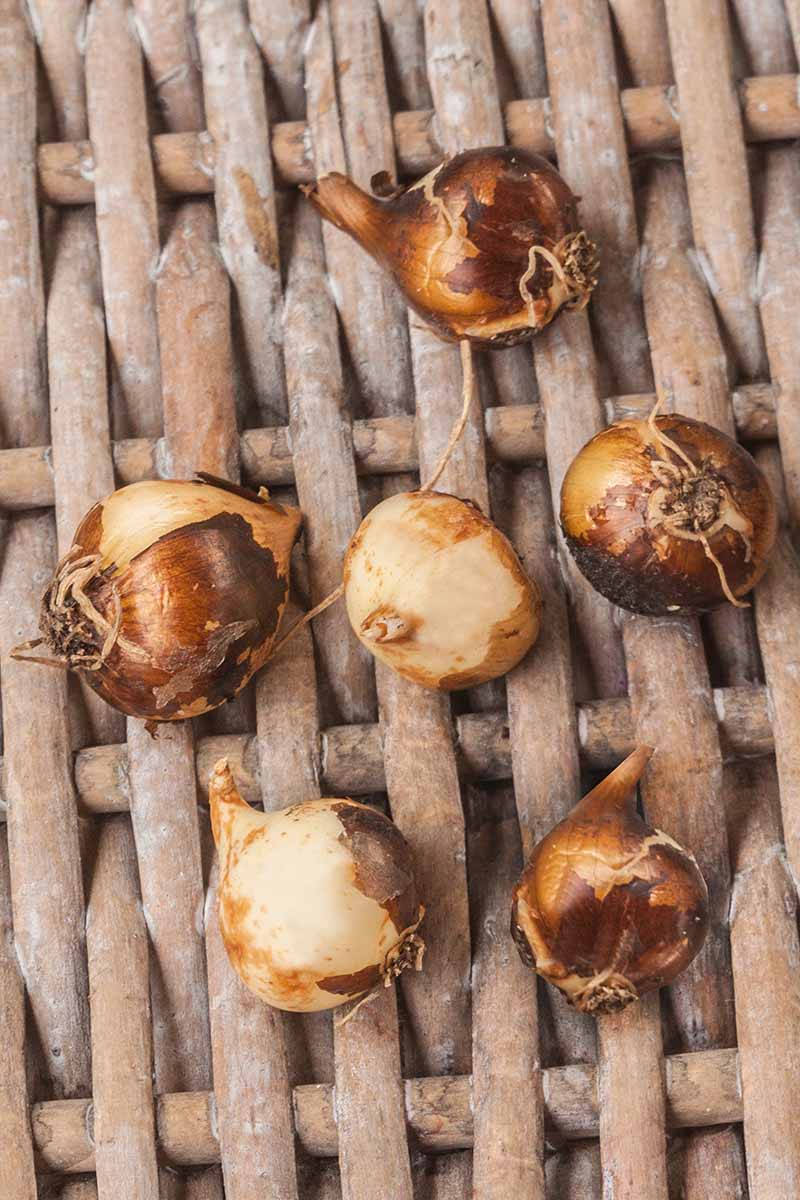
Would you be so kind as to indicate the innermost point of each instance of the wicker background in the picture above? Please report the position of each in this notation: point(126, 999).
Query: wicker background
point(166, 304)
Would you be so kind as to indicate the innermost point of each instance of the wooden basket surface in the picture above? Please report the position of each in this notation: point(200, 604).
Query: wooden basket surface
point(167, 304)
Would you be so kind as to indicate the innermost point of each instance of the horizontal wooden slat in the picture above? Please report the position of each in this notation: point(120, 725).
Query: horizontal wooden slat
point(383, 446)
point(702, 1089)
point(352, 755)
point(184, 162)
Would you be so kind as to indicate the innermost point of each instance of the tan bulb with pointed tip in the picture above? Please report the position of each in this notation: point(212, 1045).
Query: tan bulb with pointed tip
point(487, 247)
point(608, 908)
point(317, 902)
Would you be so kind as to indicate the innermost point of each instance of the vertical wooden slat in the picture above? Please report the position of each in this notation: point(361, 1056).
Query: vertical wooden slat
point(520, 31)
point(630, 1049)
point(325, 478)
point(48, 907)
point(403, 31)
point(369, 1092)
point(17, 1176)
point(544, 749)
point(164, 27)
point(366, 298)
point(506, 1074)
point(76, 335)
point(766, 964)
point(587, 117)
point(122, 1047)
point(236, 113)
point(716, 171)
point(778, 622)
point(61, 26)
point(281, 30)
point(542, 726)
point(21, 297)
point(125, 207)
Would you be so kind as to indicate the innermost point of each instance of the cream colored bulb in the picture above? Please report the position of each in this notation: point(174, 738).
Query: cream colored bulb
point(436, 591)
point(317, 902)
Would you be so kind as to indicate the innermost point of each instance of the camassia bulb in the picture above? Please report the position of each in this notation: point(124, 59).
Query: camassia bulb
point(317, 902)
point(607, 908)
point(487, 246)
point(171, 595)
point(667, 515)
point(435, 590)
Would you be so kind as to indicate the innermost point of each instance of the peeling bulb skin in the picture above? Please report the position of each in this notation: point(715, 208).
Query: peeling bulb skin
point(607, 908)
point(171, 595)
point(317, 902)
point(486, 247)
point(436, 591)
point(668, 515)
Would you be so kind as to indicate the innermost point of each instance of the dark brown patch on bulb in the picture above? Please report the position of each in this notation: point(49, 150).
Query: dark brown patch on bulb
point(354, 984)
point(384, 869)
point(198, 606)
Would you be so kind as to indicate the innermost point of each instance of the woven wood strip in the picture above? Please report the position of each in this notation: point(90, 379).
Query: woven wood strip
point(382, 445)
point(235, 105)
point(185, 163)
point(127, 233)
point(48, 908)
point(17, 1175)
point(366, 1049)
point(349, 757)
point(701, 1088)
point(122, 1041)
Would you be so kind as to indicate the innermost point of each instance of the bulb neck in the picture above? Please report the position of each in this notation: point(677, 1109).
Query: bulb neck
point(351, 209)
point(617, 792)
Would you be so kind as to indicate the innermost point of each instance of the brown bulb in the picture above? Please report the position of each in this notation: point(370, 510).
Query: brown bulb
point(608, 908)
point(171, 594)
point(667, 515)
point(486, 247)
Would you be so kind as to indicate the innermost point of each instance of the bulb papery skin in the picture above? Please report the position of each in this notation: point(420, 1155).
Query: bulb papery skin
point(607, 908)
point(645, 527)
point(317, 902)
point(459, 242)
point(171, 594)
point(436, 591)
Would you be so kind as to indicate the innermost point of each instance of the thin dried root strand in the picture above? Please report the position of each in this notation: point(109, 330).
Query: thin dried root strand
point(19, 655)
point(668, 442)
point(330, 599)
point(461, 423)
point(722, 576)
point(410, 952)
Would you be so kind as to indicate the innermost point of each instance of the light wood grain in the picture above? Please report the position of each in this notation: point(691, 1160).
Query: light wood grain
point(280, 30)
point(542, 714)
point(235, 105)
point(766, 956)
point(716, 172)
point(350, 761)
point(382, 445)
point(185, 163)
point(702, 1089)
point(164, 28)
point(127, 230)
point(17, 1177)
point(122, 1046)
